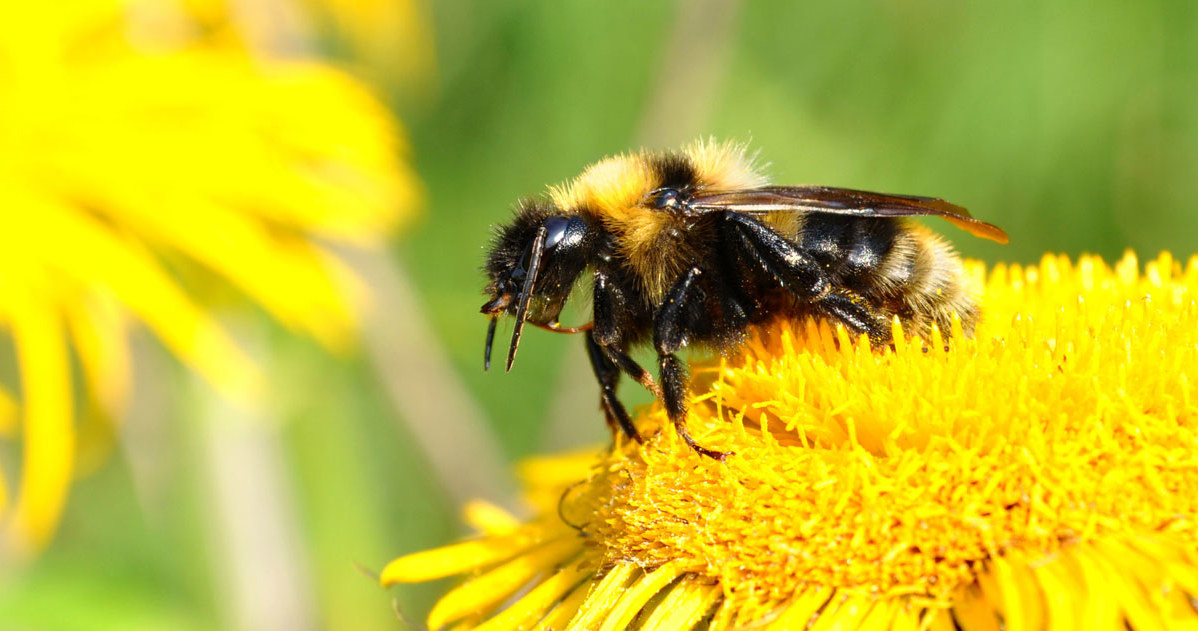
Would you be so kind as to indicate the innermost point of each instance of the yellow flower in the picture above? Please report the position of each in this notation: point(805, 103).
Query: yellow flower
point(1043, 472)
point(124, 169)
point(390, 40)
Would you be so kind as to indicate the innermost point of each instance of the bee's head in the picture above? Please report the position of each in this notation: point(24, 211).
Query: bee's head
point(532, 266)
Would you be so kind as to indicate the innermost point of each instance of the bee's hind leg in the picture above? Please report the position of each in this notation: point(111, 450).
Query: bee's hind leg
point(670, 329)
point(800, 274)
point(856, 315)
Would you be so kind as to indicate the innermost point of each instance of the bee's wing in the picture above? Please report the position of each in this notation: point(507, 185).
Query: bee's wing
point(842, 201)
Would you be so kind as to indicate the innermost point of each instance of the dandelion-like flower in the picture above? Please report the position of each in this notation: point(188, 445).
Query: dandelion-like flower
point(131, 175)
point(1042, 473)
point(391, 41)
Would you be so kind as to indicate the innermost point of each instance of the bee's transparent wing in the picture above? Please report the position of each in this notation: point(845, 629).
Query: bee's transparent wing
point(841, 201)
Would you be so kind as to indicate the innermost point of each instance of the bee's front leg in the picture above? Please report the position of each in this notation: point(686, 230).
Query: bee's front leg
point(671, 327)
point(607, 357)
point(608, 375)
point(609, 303)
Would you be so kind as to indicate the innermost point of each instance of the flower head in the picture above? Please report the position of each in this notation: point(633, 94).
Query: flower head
point(135, 178)
point(1045, 469)
point(390, 41)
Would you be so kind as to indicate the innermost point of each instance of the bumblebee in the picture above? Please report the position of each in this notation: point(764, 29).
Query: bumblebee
point(690, 248)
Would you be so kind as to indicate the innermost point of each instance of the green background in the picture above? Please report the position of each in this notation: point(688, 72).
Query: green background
point(1073, 125)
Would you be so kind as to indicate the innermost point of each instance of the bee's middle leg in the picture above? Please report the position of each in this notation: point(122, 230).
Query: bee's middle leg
point(671, 327)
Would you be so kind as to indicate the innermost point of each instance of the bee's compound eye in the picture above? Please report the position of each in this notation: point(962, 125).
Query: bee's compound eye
point(563, 232)
point(555, 231)
point(665, 199)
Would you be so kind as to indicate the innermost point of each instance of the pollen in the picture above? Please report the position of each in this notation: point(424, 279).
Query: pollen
point(1044, 471)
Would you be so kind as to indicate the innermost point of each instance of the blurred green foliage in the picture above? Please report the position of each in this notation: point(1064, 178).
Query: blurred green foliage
point(1074, 125)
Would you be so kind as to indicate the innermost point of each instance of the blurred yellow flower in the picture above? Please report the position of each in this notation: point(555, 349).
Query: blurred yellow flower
point(389, 40)
point(124, 169)
point(1044, 473)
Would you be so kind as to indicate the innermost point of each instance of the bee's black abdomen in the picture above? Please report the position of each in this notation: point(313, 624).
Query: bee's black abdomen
point(853, 250)
point(871, 246)
point(896, 267)
point(826, 237)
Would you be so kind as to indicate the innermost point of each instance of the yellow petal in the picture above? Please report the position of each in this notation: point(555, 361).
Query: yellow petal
point(683, 607)
point(802, 609)
point(1061, 593)
point(973, 612)
point(462, 557)
point(1137, 607)
point(602, 597)
point(557, 470)
point(883, 614)
point(1102, 611)
point(3, 495)
point(8, 413)
point(479, 594)
point(938, 620)
point(560, 616)
point(845, 611)
point(98, 329)
point(724, 616)
point(908, 619)
point(534, 605)
point(286, 276)
point(489, 518)
point(49, 436)
point(86, 251)
point(1022, 598)
point(637, 595)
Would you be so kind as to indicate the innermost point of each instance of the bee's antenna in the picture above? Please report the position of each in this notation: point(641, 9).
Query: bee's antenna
point(490, 340)
point(534, 267)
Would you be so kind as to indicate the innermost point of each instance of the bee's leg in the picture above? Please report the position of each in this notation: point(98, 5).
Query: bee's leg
point(604, 335)
point(791, 267)
point(803, 277)
point(856, 315)
point(634, 370)
point(608, 302)
point(670, 329)
point(608, 375)
point(673, 385)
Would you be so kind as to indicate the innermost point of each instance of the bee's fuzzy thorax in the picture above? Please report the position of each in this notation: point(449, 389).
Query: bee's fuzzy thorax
point(725, 165)
point(611, 187)
point(616, 186)
point(613, 191)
